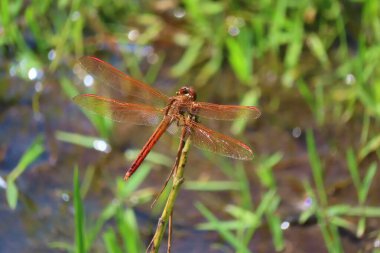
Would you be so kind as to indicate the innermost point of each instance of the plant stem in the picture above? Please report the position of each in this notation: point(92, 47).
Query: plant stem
point(166, 213)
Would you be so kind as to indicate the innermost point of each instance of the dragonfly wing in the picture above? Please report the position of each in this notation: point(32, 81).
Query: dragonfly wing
point(173, 128)
point(121, 82)
point(207, 139)
point(119, 111)
point(223, 112)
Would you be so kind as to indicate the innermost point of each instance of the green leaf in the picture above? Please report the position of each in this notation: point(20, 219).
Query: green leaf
point(128, 228)
point(212, 185)
point(210, 68)
point(125, 189)
point(240, 58)
point(31, 154)
point(250, 98)
point(307, 94)
point(274, 223)
point(211, 8)
point(265, 170)
point(371, 146)
point(111, 242)
point(316, 167)
point(64, 246)
point(188, 58)
point(309, 212)
point(367, 181)
point(78, 215)
point(363, 211)
point(294, 49)
point(361, 227)
point(82, 140)
point(107, 213)
point(353, 168)
point(12, 194)
point(154, 157)
point(228, 225)
point(223, 231)
point(318, 49)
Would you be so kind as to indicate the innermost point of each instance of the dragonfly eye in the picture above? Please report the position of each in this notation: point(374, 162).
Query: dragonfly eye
point(192, 93)
point(183, 91)
point(187, 91)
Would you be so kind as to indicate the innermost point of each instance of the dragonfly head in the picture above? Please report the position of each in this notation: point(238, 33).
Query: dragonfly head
point(188, 91)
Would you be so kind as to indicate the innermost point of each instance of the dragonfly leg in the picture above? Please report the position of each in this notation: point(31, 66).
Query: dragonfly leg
point(174, 168)
point(164, 186)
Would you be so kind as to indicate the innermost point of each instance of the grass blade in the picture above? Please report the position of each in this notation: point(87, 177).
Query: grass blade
point(78, 215)
point(353, 168)
point(84, 141)
point(188, 58)
point(223, 231)
point(12, 194)
point(128, 228)
point(212, 185)
point(316, 167)
point(367, 181)
point(31, 154)
point(110, 240)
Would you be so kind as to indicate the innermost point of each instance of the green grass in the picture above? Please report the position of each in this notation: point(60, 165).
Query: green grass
point(88, 231)
point(289, 31)
point(246, 216)
point(331, 217)
point(79, 215)
point(30, 155)
point(318, 51)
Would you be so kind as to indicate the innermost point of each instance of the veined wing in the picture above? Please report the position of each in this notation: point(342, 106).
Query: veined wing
point(119, 111)
point(207, 139)
point(120, 81)
point(223, 112)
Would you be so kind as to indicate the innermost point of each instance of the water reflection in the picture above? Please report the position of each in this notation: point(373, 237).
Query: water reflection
point(12, 70)
point(296, 132)
point(179, 13)
point(102, 146)
point(38, 87)
point(350, 79)
point(234, 31)
point(88, 80)
point(285, 225)
point(133, 34)
point(51, 55)
point(65, 197)
point(3, 184)
point(32, 74)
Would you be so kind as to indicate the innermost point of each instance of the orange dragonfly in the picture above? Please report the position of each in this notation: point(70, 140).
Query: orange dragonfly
point(169, 113)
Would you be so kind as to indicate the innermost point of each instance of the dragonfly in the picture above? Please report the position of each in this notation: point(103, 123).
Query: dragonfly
point(150, 107)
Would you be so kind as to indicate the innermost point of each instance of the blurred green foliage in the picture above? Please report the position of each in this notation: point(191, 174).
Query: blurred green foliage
point(332, 217)
point(326, 52)
point(87, 231)
point(29, 156)
point(214, 33)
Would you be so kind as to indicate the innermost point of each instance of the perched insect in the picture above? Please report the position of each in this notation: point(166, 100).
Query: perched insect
point(169, 113)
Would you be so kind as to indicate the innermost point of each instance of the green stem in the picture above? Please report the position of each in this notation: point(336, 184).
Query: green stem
point(177, 182)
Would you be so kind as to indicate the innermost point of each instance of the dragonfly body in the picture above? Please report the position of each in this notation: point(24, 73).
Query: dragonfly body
point(168, 113)
point(174, 112)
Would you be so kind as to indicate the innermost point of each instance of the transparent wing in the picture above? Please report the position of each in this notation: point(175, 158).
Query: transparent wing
point(223, 112)
point(207, 139)
point(173, 128)
point(121, 82)
point(118, 111)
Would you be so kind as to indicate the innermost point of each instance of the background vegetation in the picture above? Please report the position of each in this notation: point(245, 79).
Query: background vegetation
point(312, 67)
